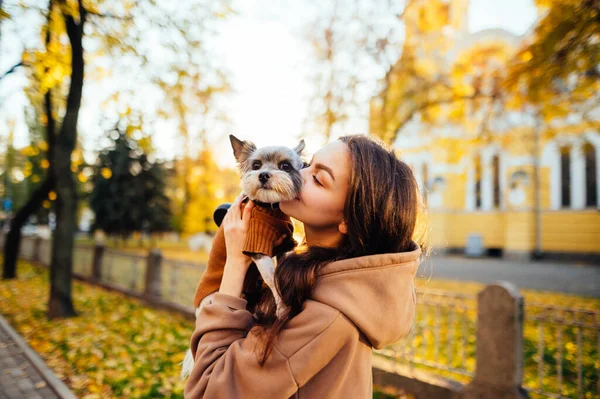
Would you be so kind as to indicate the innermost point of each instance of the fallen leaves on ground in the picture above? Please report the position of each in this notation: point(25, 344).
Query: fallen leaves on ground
point(116, 347)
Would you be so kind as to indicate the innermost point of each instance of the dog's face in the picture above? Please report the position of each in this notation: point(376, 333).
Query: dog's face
point(269, 174)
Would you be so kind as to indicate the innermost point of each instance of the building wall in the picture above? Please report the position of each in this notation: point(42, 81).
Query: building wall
point(454, 216)
point(443, 159)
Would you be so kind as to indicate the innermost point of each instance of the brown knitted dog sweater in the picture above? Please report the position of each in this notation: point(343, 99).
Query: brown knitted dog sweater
point(266, 226)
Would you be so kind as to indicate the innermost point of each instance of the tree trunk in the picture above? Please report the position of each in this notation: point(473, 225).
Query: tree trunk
point(13, 238)
point(61, 268)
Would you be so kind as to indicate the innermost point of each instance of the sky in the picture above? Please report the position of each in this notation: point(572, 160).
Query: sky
point(263, 48)
point(272, 94)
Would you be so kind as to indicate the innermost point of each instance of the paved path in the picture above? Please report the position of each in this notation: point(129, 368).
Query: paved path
point(545, 275)
point(23, 374)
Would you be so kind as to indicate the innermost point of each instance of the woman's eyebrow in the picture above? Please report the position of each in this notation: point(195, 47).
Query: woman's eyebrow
point(326, 169)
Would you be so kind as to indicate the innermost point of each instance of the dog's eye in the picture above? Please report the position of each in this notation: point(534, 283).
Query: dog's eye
point(256, 165)
point(285, 166)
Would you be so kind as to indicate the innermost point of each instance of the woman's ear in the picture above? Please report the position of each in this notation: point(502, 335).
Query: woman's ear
point(343, 228)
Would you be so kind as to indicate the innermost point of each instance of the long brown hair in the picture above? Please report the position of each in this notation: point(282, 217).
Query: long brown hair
point(380, 211)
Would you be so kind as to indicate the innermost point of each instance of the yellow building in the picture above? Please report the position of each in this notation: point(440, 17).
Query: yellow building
point(486, 188)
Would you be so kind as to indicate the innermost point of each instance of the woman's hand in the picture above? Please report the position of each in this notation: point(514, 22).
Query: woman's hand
point(235, 227)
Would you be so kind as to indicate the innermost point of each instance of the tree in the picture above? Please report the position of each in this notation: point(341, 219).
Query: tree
point(118, 36)
point(422, 81)
point(558, 70)
point(205, 182)
point(156, 213)
point(61, 265)
point(354, 43)
point(557, 74)
point(129, 190)
point(42, 73)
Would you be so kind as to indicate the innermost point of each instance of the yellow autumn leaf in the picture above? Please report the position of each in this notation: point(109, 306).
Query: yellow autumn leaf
point(106, 173)
point(4, 15)
point(526, 56)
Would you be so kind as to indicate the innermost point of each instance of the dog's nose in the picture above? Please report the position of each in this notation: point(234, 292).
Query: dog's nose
point(263, 177)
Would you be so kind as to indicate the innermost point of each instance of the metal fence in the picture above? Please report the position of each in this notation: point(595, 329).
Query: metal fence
point(180, 279)
point(561, 345)
point(442, 338)
point(122, 269)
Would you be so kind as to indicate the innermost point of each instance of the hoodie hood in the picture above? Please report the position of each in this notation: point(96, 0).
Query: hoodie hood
point(375, 292)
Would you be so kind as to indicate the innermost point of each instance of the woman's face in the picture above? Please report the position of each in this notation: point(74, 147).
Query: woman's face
point(321, 201)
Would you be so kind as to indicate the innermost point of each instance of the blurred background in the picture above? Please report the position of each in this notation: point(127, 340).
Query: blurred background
point(493, 104)
point(115, 116)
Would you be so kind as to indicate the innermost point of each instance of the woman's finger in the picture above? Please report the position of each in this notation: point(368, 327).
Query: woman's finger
point(238, 199)
point(236, 211)
point(247, 213)
point(231, 212)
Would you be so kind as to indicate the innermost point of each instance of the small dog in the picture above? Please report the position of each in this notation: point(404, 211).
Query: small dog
point(269, 175)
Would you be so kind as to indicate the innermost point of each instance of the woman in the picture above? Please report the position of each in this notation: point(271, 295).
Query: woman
point(350, 290)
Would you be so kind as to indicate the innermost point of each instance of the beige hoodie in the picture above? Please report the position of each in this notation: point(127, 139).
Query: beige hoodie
point(323, 352)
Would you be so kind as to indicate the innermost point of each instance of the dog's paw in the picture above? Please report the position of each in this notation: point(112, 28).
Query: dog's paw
point(266, 267)
point(187, 365)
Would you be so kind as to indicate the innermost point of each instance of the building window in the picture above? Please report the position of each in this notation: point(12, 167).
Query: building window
point(565, 176)
point(496, 181)
point(591, 179)
point(478, 176)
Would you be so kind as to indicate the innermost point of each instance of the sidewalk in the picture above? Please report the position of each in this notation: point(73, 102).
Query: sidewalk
point(23, 374)
point(568, 278)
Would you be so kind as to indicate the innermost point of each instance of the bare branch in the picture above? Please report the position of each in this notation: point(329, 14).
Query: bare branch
point(109, 15)
point(11, 70)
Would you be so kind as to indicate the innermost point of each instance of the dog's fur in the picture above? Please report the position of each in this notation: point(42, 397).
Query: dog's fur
point(269, 175)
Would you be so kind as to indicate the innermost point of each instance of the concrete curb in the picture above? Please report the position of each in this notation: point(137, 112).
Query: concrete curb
point(36, 361)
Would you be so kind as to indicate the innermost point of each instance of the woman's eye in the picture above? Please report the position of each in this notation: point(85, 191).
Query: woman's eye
point(285, 166)
point(317, 181)
point(305, 165)
point(256, 165)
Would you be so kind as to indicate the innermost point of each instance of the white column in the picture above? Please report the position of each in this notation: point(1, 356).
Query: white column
point(503, 179)
point(487, 181)
point(577, 177)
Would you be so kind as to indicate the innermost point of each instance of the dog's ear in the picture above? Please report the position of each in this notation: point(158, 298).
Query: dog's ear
point(241, 149)
point(300, 147)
